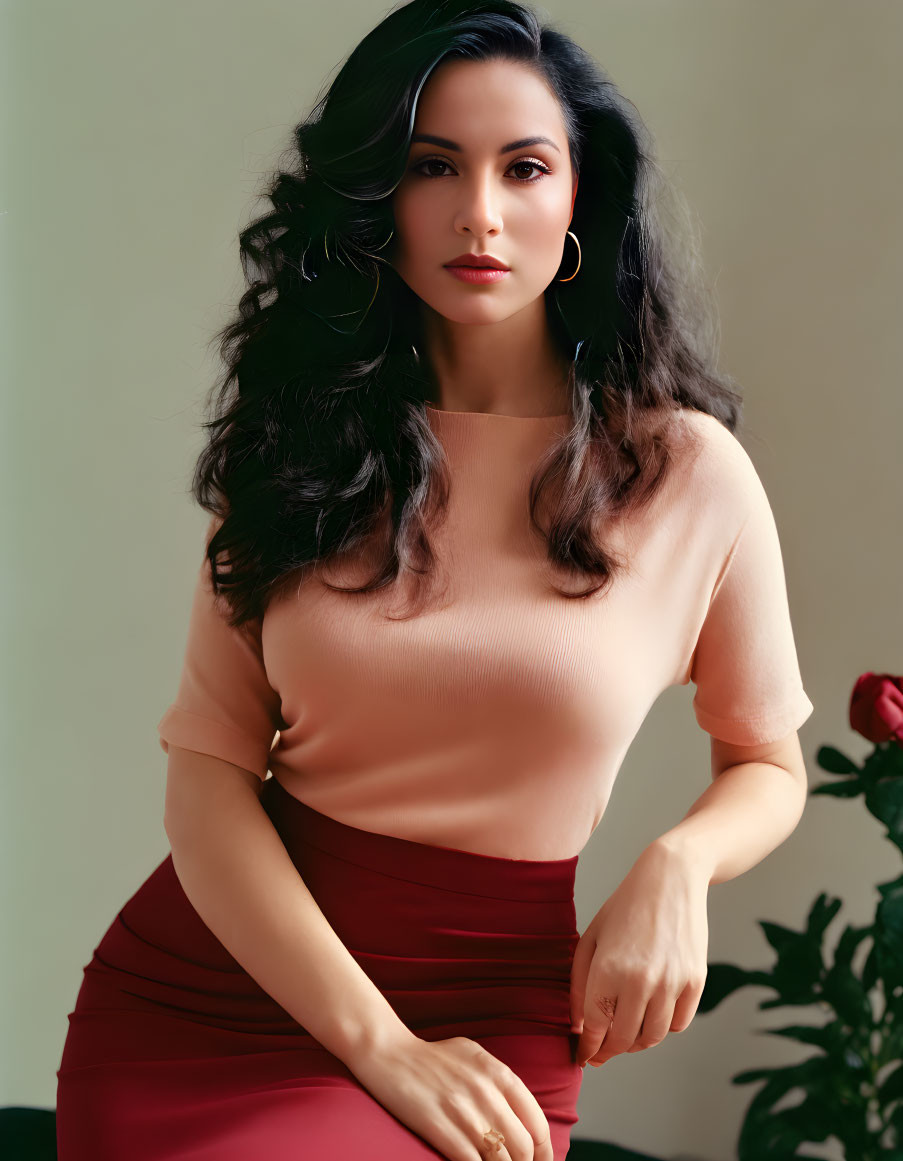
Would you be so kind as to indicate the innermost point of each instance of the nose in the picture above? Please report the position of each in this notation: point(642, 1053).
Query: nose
point(479, 211)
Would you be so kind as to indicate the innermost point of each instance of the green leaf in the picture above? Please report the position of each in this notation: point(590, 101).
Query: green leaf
point(723, 979)
point(884, 798)
point(891, 1088)
point(828, 1036)
point(847, 789)
point(834, 761)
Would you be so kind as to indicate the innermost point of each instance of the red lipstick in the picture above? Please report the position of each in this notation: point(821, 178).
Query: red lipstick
point(477, 268)
point(482, 260)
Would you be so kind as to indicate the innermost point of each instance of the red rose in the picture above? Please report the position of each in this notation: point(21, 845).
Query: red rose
point(876, 707)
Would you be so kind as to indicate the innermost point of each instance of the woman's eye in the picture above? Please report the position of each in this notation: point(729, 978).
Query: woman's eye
point(531, 165)
point(429, 161)
point(523, 164)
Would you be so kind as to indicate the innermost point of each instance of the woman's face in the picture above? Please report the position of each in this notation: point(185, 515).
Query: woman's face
point(471, 193)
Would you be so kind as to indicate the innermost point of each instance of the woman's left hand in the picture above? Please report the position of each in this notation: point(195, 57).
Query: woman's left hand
point(646, 948)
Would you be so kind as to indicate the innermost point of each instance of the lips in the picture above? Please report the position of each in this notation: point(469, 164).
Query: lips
point(480, 261)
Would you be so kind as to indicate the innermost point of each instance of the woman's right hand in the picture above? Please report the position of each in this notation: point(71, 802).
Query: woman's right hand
point(451, 1092)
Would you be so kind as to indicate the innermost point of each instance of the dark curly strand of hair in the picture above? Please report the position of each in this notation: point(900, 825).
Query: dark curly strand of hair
point(320, 444)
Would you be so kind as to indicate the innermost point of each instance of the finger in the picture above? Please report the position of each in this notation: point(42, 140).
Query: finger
point(494, 1149)
point(467, 1128)
point(456, 1142)
point(686, 1007)
point(603, 992)
point(624, 1029)
point(656, 1023)
point(580, 965)
point(517, 1142)
point(527, 1117)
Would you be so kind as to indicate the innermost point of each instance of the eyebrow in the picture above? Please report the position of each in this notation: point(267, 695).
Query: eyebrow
point(444, 142)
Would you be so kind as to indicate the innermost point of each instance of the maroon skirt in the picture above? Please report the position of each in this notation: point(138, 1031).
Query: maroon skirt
point(173, 1051)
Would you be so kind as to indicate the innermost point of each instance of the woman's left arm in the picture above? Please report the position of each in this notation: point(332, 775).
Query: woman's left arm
point(755, 802)
point(647, 946)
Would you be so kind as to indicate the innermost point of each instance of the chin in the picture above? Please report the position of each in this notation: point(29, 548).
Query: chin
point(476, 314)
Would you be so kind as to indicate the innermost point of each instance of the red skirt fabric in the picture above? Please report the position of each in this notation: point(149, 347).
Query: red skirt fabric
point(174, 1052)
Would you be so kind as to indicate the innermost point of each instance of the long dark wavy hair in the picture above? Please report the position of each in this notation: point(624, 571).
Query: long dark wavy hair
point(320, 447)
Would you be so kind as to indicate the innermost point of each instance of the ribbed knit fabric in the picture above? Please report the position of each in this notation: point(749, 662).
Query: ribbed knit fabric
point(496, 721)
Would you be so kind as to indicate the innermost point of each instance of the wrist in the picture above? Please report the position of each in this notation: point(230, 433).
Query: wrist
point(364, 1040)
point(678, 847)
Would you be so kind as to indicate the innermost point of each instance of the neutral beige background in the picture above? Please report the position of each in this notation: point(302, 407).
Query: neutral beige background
point(136, 138)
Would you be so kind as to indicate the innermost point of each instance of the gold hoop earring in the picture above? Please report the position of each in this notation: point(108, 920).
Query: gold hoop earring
point(579, 258)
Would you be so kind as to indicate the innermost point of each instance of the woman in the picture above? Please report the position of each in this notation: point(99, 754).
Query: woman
point(373, 953)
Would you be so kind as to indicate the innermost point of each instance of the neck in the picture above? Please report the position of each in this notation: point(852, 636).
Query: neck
point(512, 367)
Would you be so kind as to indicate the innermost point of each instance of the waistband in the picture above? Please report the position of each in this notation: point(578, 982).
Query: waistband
point(446, 868)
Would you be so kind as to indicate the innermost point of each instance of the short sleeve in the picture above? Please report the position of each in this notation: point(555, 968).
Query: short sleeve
point(749, 689)
point(224, 704)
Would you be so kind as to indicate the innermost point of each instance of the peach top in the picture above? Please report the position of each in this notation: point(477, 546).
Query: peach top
point(498, 722)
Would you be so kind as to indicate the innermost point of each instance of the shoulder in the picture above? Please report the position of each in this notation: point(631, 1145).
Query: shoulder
point(717, 458)
point(707, 431)
point(715, 485)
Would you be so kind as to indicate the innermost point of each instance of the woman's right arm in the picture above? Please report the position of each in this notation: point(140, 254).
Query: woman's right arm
point(239, 877)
